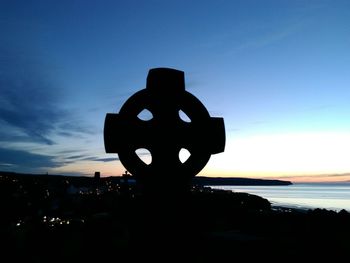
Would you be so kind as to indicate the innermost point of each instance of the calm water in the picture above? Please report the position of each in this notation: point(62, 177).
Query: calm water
point(329, 196)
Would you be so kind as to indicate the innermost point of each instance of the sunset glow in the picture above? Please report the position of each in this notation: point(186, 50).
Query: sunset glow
point(300, 157)
point(276, 71)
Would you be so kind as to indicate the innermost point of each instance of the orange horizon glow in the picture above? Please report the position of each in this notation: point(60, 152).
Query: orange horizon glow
point(297, 178)
point(296, 157)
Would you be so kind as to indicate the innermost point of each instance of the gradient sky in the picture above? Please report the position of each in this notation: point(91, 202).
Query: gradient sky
point(277, 71)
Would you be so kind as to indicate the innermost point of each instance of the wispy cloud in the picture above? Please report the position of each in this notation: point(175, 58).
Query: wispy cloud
point(255, 34)
point(76, 157)
point(25, 161)
point(82, 157)
point(31, 113)
point(29, 162)
point(30, 99)
point(269, 37)
point(30, 102)
point(96, 159)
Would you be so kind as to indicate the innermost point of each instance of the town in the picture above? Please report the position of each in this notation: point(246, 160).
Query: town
point(84, 219)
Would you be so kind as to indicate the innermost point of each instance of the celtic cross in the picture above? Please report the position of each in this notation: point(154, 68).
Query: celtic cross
point(166, 133)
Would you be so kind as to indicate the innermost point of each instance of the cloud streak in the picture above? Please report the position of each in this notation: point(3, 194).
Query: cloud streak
point(82, 157)
point(28, 162)
point(30, 102)
point(24, 161)
point(31, 113)
point(29, 99)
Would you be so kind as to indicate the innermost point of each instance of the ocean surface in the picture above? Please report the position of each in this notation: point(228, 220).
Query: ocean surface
point(332, 196)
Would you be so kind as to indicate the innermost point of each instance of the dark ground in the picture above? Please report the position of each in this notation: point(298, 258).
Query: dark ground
point(42, 221)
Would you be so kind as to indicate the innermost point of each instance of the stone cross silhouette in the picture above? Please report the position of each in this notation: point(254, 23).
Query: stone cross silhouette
point(166, 133)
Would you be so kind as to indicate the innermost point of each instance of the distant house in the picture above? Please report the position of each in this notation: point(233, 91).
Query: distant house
point(97, 175)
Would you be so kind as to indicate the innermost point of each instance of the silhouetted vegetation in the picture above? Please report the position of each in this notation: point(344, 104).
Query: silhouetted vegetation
point(71, 219)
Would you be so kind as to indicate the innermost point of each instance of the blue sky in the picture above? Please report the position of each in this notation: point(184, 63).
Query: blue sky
point(277, 71)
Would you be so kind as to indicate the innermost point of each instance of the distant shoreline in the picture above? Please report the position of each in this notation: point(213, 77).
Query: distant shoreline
point(203, 180)
point(199, 180)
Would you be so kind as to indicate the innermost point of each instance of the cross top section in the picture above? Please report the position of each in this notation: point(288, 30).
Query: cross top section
point(166, 133)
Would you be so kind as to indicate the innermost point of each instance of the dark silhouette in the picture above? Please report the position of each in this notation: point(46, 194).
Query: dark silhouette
point(202, 180)
point(126, 177)
point(95, 219)
point(66, 219)
point(165, 134)
point(97, 175)
point(165, 182)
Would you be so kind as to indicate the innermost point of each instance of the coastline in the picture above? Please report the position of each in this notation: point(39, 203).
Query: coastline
point(301, 196)
point(97, 221)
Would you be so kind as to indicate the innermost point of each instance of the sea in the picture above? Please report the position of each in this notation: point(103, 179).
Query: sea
point(331, 196)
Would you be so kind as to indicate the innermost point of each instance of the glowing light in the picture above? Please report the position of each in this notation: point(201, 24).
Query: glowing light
point(184, 154)
point(286, 154)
